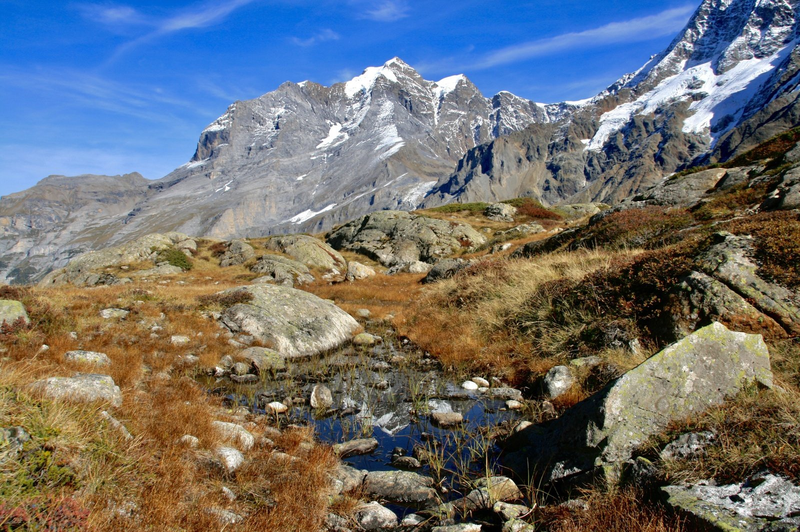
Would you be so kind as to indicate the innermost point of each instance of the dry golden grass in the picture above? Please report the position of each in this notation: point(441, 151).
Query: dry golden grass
point(382, 294)
point(464, 320)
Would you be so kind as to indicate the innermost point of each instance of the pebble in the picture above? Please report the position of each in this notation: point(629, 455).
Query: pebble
point(469, 385)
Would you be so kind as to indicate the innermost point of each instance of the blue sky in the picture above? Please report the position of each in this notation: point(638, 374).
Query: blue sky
point(113, 87)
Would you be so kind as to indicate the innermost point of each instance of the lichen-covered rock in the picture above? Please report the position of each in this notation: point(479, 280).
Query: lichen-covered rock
point(87, 357)
point(374, 516)
point(400, 486)
point(763, 502)
point(82, 388)
point(729, 260)
point(500, 212)
point(282, 270)
point(310, 251)
point(238, 253)
point(294, 322)
point(444, 269)
point(396, 237)
point(321, 397)
point(357, 271)
point(557, 381)
point(82, 270)
point(683, 379)
point(11, 311)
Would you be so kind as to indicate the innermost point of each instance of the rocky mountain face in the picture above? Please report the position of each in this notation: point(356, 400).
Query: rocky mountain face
point(727, 82)
point(301, 158)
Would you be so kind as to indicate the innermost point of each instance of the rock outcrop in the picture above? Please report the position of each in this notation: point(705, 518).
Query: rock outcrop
point(397, 238)
point(281, 270)
point(309, 251)
point(684, 379)
point(293, 322)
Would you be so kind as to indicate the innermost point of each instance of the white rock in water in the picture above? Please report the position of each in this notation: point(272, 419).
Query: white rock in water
point(469, 385)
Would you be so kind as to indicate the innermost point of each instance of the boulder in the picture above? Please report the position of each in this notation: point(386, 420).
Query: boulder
point(281, 270)
point(557, 381)
point(82, 388)
point(357, 271)
point(400, 486)
point(114, 313)
point(235, 434)
point(87, 357)
point(500, 212)
point(447, 419)
point(683, 191)
point(81, 270)
point(600, 432)
point(729, 260)
point(416, 266)
point(309, 251)
point(355, 447)
point(11, 311)
point(444, 269)
point(763, 502)
point(231, 458)
point(294, 322)
point(263, 359)
point(238, 253)
point(374, 516)
point(396, 237)
point(579, 210)
point(786, 195)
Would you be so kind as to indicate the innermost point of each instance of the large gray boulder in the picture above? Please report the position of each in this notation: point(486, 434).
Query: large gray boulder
point(396, 237)
point(684, 379)
point(11, 311)
point(310, 251)
point(400, 486)
point(682, 191)
point(282, 270)
point(86, 269)
point(293, 322)
point(238, 253)
point(81, 388)
point(763, 502)
point(729, 260)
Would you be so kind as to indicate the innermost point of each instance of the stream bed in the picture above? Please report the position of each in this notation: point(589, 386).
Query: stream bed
point(391, 392)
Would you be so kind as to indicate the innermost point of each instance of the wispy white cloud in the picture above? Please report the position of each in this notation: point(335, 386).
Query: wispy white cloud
point(321, 36)
point(200, 15)
point(386, 11)
point(635, 30)
point(343, 75)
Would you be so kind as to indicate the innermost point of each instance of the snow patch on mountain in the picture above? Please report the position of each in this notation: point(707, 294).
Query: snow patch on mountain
point(447, 85)
point(308, 214)
point(335, 137)
point(366, 81)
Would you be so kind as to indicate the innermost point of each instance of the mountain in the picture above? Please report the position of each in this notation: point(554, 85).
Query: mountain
point(727, 82)
point(301, 158)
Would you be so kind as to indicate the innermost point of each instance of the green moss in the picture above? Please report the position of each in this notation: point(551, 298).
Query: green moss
point(175, 257)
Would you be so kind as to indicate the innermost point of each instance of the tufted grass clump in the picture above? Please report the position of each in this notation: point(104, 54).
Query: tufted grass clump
point(175, 257)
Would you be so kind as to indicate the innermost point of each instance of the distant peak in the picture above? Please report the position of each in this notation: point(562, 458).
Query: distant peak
point(396, 61)
point(450, 83)
point(366, 81)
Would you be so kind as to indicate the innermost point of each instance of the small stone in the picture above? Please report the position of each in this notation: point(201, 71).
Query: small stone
point(228, 493)
point(406, 462)
point(412, 520)
point(463, 527)
point(231, 458)
point(225, 517)
point(447, 419)
point(374, 516)
point(517, 525)
point(114, 313)
point(557, 381)
point(73, 335)
point(116, 425)
point(509, 511)
point(240, 368)
point(244, 379)
point(355, 447)
point(321, 397)
point(480, 381)
point(189, 441)
point(513, 405)
point(365, 339)
point(469, 385)
point(179, 340)
point(226, 361)
point(363, 313)
point(687, 445)
point(277, 407)
point(87, 357)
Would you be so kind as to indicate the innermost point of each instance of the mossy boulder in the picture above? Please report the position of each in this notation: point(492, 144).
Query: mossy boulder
point(11, 311)
point(684, 379)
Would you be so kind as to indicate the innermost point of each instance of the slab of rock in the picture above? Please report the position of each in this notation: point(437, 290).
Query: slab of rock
point(400, 486)
point(763, 502)
point(374, 516)
point(397, 237)
point(500, 212)
point(558, 380)
point(238, 253)
point(236, 434)
point(263, 359)
point(81, 388)
point(309, 251)
point(729, 260)
point(87, 357)
point(355, 447)
point(445, 269)
point(114, 313)
point(294, 322)
point(11, 311)
point(684, 379)
point(357, 271)
point(282, 270)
